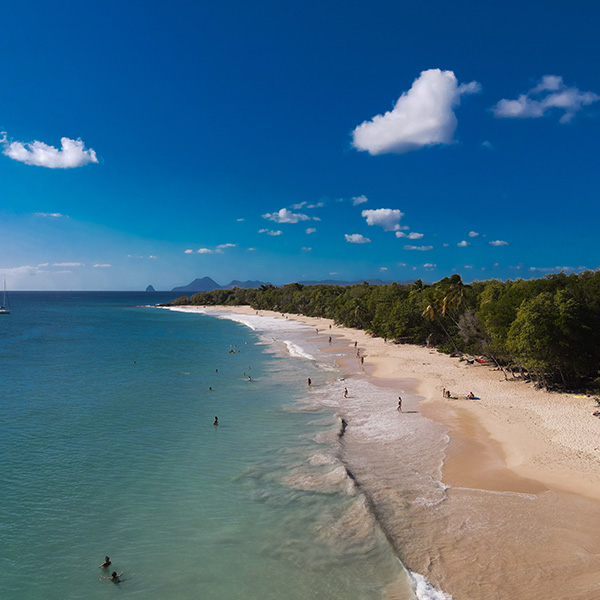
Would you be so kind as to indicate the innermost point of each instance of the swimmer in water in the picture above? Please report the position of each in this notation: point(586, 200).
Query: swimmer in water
point(105, 564)
point(216, 421)
point(114, 577)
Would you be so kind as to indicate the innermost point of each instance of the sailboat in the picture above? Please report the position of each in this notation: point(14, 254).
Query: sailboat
point(4, 309)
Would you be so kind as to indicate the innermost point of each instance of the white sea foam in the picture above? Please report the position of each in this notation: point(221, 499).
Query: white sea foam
point(295, 350)
point(424, 590)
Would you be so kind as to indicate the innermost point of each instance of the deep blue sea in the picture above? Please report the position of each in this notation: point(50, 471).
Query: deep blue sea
point(107, 447)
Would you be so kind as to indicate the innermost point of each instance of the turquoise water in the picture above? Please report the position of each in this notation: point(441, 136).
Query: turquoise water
point(108, 447)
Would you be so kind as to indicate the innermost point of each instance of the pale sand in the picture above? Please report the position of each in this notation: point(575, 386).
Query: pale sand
point(522, 442)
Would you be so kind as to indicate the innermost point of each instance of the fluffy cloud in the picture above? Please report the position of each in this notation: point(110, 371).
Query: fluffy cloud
point(387, 218)
point(356, 200)
point(549, 93)
point(498, 243)
point(71, 154)
point(357, 238)
point(204, 251)
point(421, 248)
point(286, 216)
point(463, 244)
point(473, 234)
point(430, 265)
point(423, 116)
point(310, 230)
point(68, 264)
point(413, 235)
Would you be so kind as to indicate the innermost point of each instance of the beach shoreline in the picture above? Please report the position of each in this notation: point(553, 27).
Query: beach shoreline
point(527, 458)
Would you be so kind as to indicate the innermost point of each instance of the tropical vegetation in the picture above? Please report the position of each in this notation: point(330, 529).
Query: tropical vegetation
point(545, 329)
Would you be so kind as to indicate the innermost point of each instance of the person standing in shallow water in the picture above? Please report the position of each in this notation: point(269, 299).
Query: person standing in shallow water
point(216, 421)
point(105, 564)
point(114, 577)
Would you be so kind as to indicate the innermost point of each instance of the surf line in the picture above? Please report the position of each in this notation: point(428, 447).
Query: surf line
point(373, 510)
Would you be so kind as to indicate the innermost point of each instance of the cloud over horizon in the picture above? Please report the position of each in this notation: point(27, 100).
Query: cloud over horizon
point(72, 153)
point(551, 92)
point(423, 116)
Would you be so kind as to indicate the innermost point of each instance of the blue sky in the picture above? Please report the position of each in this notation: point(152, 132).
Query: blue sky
point(148, 142)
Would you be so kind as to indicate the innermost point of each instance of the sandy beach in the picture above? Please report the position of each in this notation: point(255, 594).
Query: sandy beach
point(522, 468)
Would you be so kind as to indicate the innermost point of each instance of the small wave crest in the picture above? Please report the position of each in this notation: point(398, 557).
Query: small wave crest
point(296, 351)
point(424, 590)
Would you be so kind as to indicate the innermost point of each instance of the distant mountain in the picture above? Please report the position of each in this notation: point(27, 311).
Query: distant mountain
point(150, 289)
point(206, 284)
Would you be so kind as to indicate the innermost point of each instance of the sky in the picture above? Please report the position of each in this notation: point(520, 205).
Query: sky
point(151, 143)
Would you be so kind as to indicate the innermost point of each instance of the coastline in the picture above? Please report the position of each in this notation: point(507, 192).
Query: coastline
point(522, 468)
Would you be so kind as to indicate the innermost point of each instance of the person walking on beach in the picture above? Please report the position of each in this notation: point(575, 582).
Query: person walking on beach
point(399, 404)
point(309, 381)
point(345, 392)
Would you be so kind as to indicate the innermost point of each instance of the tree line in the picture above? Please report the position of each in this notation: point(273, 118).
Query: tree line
point(546, 329)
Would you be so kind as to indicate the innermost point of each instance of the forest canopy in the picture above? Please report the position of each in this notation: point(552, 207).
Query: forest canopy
point(548, 329)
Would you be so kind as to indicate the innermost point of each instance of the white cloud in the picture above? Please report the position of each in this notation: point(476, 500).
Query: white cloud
point(383, 268)
point(222, 247)
point(463, 244)
point(68, 264)
point(549, 93)
point(298, 206)
point(421, 248)
point(204, 251)
point(423, 116)
point(103, 266)
point(306, 249)
point(356, 200)
point(468, 266)
point(71, 154)
point(270, 231)
point(498, 243)
point(317, 205)
point(430, 265)
point(240, 220)
point(402, 265)
point(50, 215)
point(387, 218)
point(413, 235)
point(286, 216)
point(189, 251)
point(473, 234)
point(356, 238)
point(310, 230)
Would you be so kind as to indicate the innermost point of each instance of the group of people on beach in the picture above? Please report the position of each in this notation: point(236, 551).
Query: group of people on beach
point(114, 576)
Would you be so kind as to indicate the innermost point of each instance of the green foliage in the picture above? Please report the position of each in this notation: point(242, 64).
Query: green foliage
point(549, 327)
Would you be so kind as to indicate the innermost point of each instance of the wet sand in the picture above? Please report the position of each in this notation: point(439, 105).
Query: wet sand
point(520, 515)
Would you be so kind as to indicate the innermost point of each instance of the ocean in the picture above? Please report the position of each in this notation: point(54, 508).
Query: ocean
point(108, 447)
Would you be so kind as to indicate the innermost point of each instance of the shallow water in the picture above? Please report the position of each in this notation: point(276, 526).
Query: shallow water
point(108, 447)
